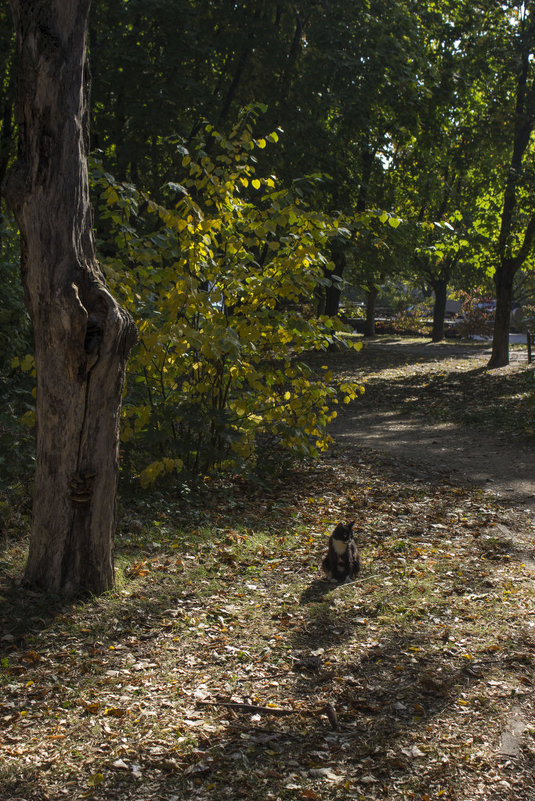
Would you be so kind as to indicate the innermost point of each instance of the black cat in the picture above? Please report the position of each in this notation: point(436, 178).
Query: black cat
point(342, 560)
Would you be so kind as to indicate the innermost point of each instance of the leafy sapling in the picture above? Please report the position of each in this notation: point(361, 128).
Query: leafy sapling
point(342, 561)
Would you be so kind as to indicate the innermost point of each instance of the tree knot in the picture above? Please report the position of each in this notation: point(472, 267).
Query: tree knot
point(82, 487)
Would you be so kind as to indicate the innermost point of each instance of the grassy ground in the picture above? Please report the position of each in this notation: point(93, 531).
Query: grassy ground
point(224, 666)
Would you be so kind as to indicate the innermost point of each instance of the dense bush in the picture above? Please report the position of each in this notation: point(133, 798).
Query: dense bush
point(221, 279)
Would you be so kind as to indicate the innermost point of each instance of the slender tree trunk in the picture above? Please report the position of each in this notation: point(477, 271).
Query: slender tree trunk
point(291, 59)
point(334, 291)
point(239, 70)
point(6, 124)
point(503, 278)
point(371, 301)
point(82, 336)
point(440, 288)
point(508, 262)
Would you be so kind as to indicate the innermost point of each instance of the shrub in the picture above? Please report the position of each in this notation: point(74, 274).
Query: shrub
point(220, 277)
point(477, 316)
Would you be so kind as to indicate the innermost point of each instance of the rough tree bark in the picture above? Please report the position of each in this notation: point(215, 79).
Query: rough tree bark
point(440, 289)
point(82, 336)
point(503, 280)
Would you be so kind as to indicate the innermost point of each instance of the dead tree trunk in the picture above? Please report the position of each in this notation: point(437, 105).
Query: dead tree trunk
point(82, 336)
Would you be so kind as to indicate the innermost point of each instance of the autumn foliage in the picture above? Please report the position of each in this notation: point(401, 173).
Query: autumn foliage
point(221, 279)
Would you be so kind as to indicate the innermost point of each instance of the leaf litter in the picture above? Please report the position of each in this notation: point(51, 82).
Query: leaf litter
point(224, 666)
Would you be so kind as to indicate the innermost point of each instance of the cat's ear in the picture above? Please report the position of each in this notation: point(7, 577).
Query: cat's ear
point(350, 525)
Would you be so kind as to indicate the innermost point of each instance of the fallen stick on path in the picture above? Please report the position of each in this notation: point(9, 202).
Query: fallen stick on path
point(255, 709)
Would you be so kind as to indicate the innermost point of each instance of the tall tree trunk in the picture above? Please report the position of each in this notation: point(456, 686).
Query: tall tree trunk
point(371, 301)
point(82, 336)
point(291, 59)
point(503, 278)
point(440, 288)
point(509, 263)
point(239, 70)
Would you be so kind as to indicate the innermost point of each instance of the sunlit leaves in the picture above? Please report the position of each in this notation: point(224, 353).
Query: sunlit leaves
point(222, 288)
point(160, 467)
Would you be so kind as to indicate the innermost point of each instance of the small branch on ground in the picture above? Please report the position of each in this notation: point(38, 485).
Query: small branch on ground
point(255, 709)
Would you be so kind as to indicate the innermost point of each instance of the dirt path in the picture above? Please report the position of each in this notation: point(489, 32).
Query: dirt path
point(432, 448)
point(428, 449)
point(445, 449)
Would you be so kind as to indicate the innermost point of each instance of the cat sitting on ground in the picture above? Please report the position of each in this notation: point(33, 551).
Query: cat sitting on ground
point(342, 560)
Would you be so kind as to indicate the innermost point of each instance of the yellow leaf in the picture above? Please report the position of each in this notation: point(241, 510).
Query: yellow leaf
point(28, 418)
point(115, 712)
point(261, 143)
point(27, 363)
point(149, 474)
point(256, 183)
point(111, 197)
point(241, 409)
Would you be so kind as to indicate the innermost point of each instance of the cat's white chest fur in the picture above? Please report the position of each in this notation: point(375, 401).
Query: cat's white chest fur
point(340, 546)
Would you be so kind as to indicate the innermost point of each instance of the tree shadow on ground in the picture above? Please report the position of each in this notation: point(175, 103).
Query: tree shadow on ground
point(24, 613)
point(383, 353)
point(394, 681)
point(316, 591)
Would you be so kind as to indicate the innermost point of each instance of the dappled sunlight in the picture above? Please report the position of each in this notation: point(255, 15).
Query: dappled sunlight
point(440, 415)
